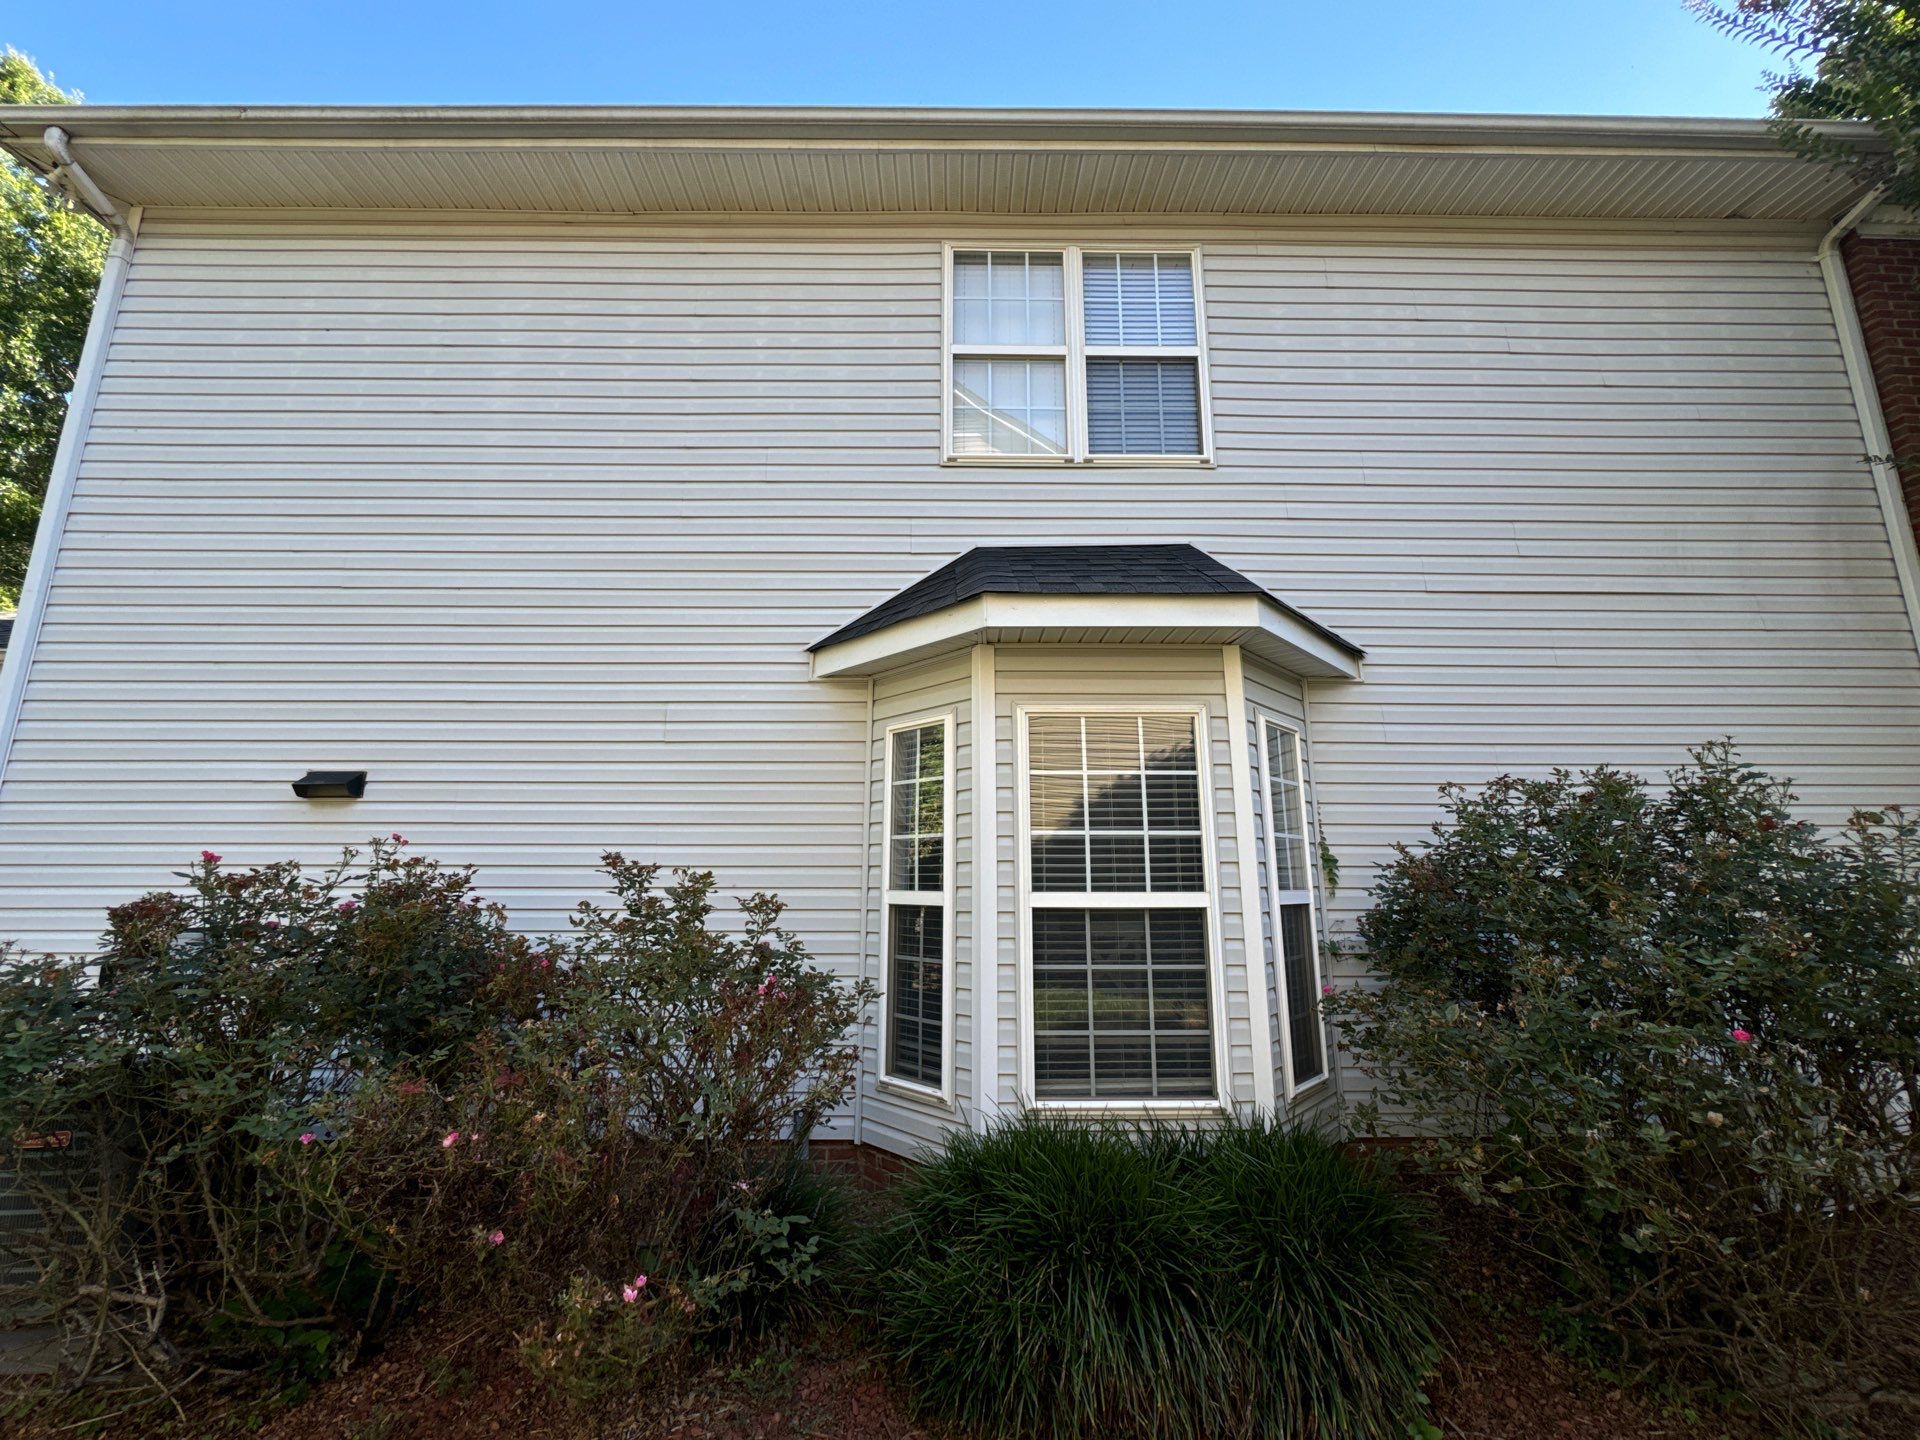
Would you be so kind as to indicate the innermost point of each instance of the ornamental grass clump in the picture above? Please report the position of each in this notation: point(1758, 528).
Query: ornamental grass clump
point(1674, 1037)
point(1065, 1279)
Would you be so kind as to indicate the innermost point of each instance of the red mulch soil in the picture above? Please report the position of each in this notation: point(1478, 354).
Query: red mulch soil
point(1501, 1380)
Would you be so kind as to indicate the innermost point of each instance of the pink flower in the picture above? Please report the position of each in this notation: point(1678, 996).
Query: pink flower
point(272, 924)
point(308, 1137)
point(210, 857)
point(453, 1138)
point(639, 1282)
point(629, 1294)
point(397, 838)
point(544, 962)
point(347, 907)
point(1742, 1037)
point(498, 1237)
point(1326, 989)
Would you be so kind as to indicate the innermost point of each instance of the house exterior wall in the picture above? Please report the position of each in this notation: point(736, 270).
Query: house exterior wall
point(1883, 272)
point(533, 517)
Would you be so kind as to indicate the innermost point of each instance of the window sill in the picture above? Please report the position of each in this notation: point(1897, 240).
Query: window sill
point(1092, 462)
point(1131, 1109)
point(919, 1094)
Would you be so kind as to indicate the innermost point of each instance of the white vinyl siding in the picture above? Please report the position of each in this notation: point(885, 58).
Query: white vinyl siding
point(533, 518)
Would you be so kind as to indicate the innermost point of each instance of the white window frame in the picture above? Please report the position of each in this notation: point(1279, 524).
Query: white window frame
point(941, 899)
point(1076, 353)
point(1121, 900)
point(1270, 724)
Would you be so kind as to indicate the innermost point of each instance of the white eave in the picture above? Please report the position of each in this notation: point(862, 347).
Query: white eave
point(996, 162)
point(1254, 622)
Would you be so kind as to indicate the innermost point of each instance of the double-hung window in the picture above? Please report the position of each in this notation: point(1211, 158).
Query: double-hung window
point(1117, 909)
point(918, 902)
point(1290, 901)
point(1075, 354)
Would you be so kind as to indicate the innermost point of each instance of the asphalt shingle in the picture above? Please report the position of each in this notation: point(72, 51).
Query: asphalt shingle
point(1065, 570)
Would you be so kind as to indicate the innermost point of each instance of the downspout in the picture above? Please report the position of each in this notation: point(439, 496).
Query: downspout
point(125, 224)
point(1866, 403)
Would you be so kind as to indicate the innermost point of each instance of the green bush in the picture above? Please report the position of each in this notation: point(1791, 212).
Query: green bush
point(1673, 1036)
point(191, 1052)
point(1052, 1278)
point(642, 1116)
point(316, 1098)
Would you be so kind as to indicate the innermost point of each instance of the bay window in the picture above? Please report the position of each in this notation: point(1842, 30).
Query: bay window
point(1075, 354)
point(1118, 909)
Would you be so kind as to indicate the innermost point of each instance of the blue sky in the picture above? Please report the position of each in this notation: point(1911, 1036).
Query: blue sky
point(1646, 57)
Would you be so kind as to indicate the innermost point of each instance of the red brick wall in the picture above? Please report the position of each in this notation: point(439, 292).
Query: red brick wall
point(1885, 274)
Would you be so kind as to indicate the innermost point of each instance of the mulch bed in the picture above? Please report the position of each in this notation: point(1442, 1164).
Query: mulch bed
point(1501, 1380)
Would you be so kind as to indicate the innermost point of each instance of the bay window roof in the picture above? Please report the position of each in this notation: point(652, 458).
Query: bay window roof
point(1084, 594)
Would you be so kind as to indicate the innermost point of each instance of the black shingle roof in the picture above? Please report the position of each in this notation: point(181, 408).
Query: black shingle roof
point(6, 632)
point(1066, 570)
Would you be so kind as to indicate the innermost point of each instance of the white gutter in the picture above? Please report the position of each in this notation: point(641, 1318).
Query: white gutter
point(1866, 403)
point(79, 186)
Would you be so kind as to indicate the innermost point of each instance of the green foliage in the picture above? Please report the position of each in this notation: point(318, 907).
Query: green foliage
point(1847, 60)
point(1675, 1037)
point(50, 259)
point(192, 1052)
point(314, 1098)
point(640, 1112)
point(1051, 1278)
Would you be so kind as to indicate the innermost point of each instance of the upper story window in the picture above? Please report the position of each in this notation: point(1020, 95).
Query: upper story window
point(1075, 354)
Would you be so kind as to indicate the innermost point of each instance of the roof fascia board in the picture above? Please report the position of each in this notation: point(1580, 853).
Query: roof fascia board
point(1168, 129)
point(1279, 637)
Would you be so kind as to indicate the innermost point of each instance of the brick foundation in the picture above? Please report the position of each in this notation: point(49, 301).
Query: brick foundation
point(868, 1166)
point(1885, 277)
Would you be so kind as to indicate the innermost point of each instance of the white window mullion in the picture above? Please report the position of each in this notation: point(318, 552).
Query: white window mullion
point(1076, 359)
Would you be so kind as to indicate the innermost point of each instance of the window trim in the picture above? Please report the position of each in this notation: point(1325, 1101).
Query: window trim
point(1200, 716)
point(943, 899)
point(1271, 902)
point(1076, 353)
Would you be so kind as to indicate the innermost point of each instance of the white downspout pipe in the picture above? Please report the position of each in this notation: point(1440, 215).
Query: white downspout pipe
point(1866, 403)
point(69, 175)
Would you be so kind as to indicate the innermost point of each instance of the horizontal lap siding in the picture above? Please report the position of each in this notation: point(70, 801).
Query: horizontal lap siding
point(533, 519)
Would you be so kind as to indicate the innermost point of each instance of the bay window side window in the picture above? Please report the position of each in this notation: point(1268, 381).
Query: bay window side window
point(1290, 904)
point(918, 904)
